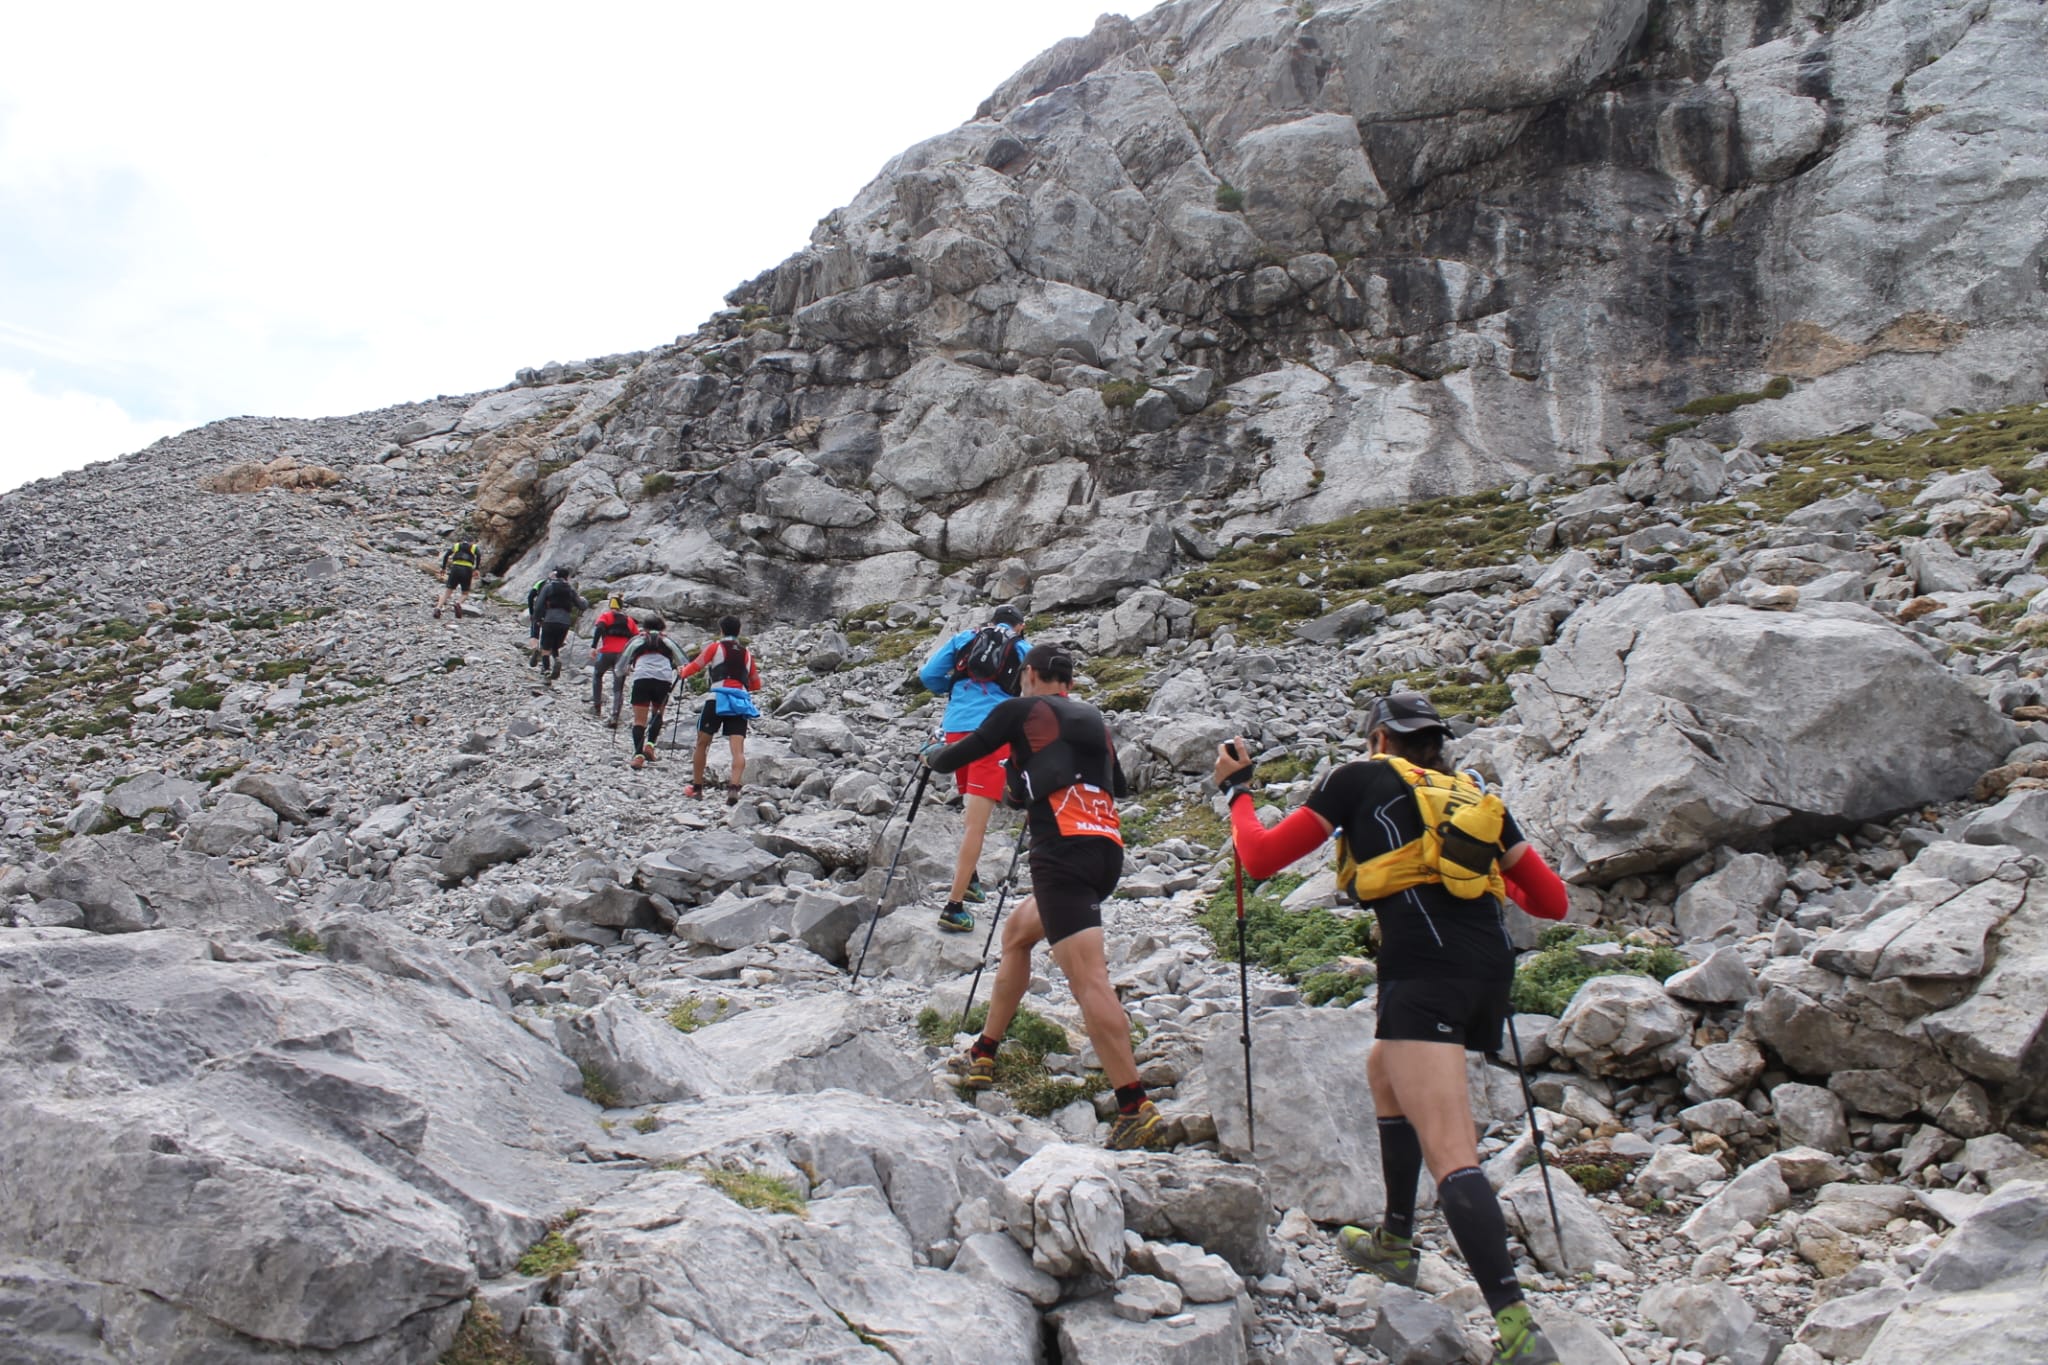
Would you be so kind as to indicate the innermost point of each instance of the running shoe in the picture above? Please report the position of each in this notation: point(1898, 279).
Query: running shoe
point(1136, 1129)
point(437, 613)
point(653, 754)
point(732, 794)
point(1521, 1343)
point(975, 895)
point(637, 761)
point(971, 1072)
point(1390, 1258)
point(957, 918)
point(458, 611)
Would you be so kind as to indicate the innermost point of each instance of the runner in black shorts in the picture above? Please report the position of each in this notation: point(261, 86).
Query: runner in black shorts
point(649, 662)
point(733, 672)
point(458, 563)
point(1063, 767)
point(1445, 966)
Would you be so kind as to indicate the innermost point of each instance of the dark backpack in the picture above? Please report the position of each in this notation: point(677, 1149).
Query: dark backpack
point(732, 663)
point(991, 657)
point(464, 556)
point(616, 626)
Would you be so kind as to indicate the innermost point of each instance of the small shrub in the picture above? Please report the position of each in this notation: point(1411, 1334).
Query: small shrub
point(117, 629)
point(1779, 386)
point(197, 697)
point(277, 670)
point(1298, 945)
point(684, 1016)
point(1546, 983)
point(654, 485)
point(754, 1190)
point(1596, 1177)
point(646, 1123)
point(1123, 393)
point(1229, 198)
point(598, 1090)
point(1659, 435)
point(550, 1256)
point(481, 1340)
point(452, 662)
point(305, 941)
point(1128, 699)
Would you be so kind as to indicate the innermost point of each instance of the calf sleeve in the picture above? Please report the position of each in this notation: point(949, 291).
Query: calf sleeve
point(1473, 1212)
point(1401, 1162)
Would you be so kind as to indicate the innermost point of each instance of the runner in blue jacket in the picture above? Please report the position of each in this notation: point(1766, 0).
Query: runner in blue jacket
point(969, 699)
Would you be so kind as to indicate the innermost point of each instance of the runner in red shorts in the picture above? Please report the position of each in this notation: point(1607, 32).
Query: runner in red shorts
point(955, 671)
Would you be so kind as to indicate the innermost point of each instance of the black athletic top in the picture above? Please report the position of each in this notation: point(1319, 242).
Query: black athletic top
point(1062, 759)
point(1425, 931)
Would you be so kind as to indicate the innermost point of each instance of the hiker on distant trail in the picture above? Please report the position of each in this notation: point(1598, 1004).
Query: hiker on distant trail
point(734, 678)
point(458, 568)
point(975, 671)
point(533, 653)
point(1445, 966)
point(608, 640)
point(557, 606)
point(649, 663)
point(1063, 767)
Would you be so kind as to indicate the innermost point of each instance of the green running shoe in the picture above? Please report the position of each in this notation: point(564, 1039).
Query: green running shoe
point(1391, 1258)
point(1520, 1341)
point(956, 918)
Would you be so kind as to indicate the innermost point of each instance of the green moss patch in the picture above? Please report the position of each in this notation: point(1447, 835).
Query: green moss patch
point(1546, 983)
point(1332, 951)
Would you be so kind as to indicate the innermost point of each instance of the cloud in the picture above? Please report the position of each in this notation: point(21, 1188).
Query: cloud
point(44, 434)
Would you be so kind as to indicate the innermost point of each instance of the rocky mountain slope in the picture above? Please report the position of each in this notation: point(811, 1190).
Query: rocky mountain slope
point(358, 1004)
point(1240, 265)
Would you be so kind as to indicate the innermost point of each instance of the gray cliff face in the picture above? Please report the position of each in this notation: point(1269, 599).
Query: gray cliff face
point(1326, 257)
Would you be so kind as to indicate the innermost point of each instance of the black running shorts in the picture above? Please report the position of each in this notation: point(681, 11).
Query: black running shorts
point(651, 692)
point(1444, 1010)
point(1070, 878)
point(551, 637)
point(459, 579)
point(709, 722)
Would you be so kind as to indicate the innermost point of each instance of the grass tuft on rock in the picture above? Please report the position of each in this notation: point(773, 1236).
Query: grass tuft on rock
point(550, 1256)
point(1021, 1072)
point(754, 1190)
point(597, 1089)
point(1546, 983)
point(686, 1015)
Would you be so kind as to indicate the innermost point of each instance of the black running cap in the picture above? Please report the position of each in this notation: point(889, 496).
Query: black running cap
point(561, 573)
point(1007, 615)
point(1405, 713)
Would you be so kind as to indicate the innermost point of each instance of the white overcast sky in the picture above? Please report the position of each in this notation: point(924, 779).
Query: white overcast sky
point(209, 210)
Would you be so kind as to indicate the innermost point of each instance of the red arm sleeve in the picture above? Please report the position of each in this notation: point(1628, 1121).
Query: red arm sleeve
point(1534, 887)
point(1265, 851)
point(753, 672)
point(698, 664)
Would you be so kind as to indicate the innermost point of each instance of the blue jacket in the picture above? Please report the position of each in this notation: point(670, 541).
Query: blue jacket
point(968, 701)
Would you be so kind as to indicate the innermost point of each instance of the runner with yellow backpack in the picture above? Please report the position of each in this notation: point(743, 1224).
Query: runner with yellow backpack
point(458, 565)
point(1436, 857)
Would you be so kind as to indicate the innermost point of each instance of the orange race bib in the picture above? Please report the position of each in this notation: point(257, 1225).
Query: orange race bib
point(1082, 809)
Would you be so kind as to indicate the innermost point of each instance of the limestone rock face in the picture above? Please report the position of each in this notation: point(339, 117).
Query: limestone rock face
point(1376, 229)
point(360, 1208)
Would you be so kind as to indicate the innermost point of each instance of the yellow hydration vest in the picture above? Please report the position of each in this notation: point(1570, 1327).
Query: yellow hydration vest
point(1460, 844)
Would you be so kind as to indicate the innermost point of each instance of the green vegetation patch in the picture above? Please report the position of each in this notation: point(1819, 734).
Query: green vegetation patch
point(1020, 1066)
point(754, 1190)
point(1728, 402)
point(687, 1015)
point(198, 696)
point(550, 1256)
point(1301, 945)
point(1229, 198)
point(1546, 983)
point(277, 670)
point(654, 485)
point(1123, 393)
point(1256, 590)
point(1164, 814)
point(597, 1089)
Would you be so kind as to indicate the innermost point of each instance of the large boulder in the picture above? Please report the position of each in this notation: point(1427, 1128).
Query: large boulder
point(129, 882)
point(1318, 1136)
point(493, 835)
point(821, 1042)
point(1655, 749)
point(1623, 1026)
point(634, 1057)
point(701, 865)
point(738, 1284)
point(239, 824)
point(1067, 1204)
point(1979, 1296)
point(283, 1155)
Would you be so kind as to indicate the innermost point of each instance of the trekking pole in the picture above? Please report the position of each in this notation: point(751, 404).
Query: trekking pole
point(924, 776)
point(1244, 1003)
point(1009, 880)
point(1536, 1135)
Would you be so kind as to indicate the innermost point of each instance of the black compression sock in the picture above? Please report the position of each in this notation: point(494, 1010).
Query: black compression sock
point(639, 737)
point(1473, 1212)
point(654, 727)
point(1129, 1097)
point(985, 1046)
point(1401, 1161)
